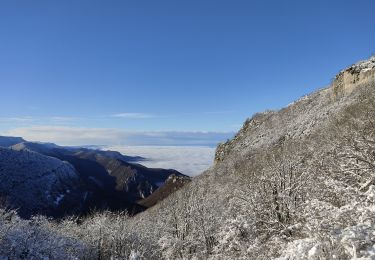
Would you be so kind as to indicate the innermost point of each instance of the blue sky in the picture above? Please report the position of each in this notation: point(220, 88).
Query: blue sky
point(167, 66)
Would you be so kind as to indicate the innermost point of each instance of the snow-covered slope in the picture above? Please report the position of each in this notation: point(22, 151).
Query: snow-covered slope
point(292, 184)
point(38, 184)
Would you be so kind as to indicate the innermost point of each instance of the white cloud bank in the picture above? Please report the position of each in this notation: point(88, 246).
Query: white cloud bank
point(192, 160)
point(65, 135)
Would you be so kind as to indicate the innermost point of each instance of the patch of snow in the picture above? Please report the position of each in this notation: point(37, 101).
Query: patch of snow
point(300, 249)
point(314, 251)
point(85, 196)
point(59, 199)
point(134, 255)
point(305, 97)
point(365, 65)
point(371, 192)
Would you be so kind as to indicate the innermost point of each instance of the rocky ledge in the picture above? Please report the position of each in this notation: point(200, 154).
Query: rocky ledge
point(353, 76)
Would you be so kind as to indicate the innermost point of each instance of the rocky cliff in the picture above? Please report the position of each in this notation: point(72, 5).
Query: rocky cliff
point(348, 79)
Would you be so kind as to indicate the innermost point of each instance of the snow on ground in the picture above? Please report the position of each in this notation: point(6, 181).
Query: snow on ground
point(59, 199)
point(189, 160)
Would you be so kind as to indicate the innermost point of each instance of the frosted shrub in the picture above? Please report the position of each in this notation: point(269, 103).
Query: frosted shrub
point(36, 239)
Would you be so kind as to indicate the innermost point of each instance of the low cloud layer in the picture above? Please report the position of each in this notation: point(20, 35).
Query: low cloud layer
point(191, 160)
point(64, 135)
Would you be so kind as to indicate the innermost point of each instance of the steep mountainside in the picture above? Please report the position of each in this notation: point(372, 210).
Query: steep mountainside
point(297, 183)
point(37, 184)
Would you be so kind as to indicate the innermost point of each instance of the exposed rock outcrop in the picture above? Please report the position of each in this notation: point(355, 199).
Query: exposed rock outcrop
point(358, 74)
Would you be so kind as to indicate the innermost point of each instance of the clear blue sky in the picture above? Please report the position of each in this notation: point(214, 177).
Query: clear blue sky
point(158, 65)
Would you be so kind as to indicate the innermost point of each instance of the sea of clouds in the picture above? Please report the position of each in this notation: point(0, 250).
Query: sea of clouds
point(189, 160)
point(188, 152)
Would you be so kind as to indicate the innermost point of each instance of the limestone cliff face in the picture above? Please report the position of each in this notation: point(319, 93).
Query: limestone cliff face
point(349, 78)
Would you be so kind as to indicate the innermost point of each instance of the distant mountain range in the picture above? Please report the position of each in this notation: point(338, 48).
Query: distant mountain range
point(44, 178)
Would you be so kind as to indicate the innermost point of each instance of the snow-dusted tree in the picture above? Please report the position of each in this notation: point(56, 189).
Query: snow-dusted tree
point(354, 150)
point(37, 239)
point(113, 237)
point(189, 227)
point(236, 233)
point(339, 213)
point(275, 188)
